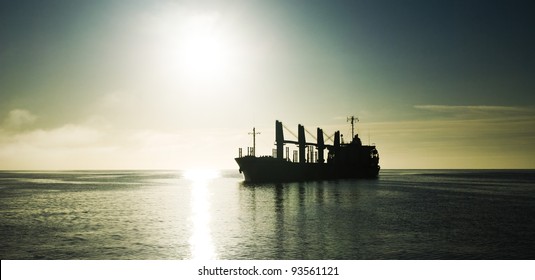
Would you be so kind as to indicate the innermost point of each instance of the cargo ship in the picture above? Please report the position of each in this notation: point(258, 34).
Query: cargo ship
point(309, 163)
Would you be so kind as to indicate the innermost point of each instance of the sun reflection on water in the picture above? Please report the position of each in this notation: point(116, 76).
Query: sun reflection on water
point(201, 243)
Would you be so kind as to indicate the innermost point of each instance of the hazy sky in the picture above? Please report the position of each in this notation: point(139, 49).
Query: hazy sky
point(179, 84)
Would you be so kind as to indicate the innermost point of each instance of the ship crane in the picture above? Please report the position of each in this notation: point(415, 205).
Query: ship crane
point(312, 135)
point(290, 131)
point(329, 137)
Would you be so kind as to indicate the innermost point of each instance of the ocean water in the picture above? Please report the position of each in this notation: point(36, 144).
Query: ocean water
point(404, 214)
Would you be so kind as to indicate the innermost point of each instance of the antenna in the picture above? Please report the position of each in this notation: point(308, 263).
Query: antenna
point(352, 119)
point(254, 133)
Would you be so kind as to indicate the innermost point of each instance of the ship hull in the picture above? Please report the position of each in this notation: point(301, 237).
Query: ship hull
point(269, 169)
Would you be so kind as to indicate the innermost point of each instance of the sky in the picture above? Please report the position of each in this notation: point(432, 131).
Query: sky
point(180, 84)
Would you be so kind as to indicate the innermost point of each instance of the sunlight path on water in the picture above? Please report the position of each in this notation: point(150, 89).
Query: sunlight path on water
point(201, 243)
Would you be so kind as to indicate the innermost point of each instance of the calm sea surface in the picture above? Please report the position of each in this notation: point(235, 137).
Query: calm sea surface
point(405, 214)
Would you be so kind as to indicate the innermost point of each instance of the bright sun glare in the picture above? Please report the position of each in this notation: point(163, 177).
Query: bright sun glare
point(201, 240)
point(201, 175)
point(206, 51)
point(196, 49)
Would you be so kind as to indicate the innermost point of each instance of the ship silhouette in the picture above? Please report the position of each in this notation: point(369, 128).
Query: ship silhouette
point(344, 160)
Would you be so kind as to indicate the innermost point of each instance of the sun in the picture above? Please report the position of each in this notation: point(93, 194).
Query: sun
point(205, 50)
point(197, 50)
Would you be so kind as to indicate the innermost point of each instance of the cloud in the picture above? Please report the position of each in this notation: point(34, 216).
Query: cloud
point(501, 137)
point(474, 109)
point(19, 118)
point(498, 118)
point(458, 137)
point(70, 146)
point(98, 144)
point(69, 135)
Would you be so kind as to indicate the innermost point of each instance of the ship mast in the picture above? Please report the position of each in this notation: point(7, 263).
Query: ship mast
point(254, 133)
point(352, 119)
